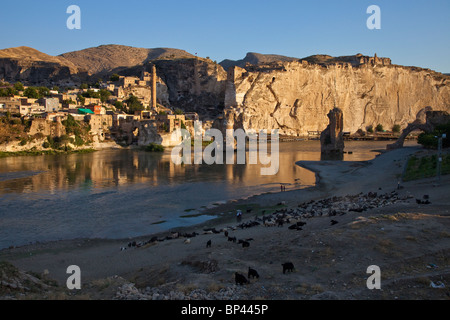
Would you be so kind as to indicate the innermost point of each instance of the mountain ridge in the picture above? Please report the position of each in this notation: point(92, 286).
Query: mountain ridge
point(109, 58)
point(34, 67)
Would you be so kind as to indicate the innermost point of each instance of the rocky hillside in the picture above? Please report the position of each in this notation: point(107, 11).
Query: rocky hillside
point(107, 59)
point(32, 66)
point(190, 84)
point(255, 59)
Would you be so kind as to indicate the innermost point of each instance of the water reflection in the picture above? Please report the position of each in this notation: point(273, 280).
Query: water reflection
point(114, 168)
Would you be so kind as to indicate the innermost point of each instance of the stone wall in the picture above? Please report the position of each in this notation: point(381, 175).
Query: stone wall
point(47, 128)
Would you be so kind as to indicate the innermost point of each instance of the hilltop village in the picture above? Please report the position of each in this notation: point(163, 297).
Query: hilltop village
point(112, 111)
point(159, 90)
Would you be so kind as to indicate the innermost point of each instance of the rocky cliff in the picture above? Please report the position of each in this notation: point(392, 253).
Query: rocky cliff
point(34, 67)
point(253, 58)
point(295, 97)
point(259, 92)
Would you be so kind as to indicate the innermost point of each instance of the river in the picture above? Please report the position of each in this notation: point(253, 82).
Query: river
point(126, 193)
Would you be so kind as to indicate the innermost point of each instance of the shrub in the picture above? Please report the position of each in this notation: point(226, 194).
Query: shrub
point(114, 77)
point(153, 147)
point(19, 86)
point(78, 141)
point(51, 142)
point(396, 128)
point(15, 121)
point(430, 140)
point(379, 128)
point(46, 145)
point(370, 129)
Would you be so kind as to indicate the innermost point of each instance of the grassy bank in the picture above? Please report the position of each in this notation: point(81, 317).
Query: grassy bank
point(43, 152)
point(425, 167)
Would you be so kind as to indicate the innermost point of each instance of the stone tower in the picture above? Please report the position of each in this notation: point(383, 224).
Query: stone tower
point(331, 139)
point(153, 87)
point(196, 77)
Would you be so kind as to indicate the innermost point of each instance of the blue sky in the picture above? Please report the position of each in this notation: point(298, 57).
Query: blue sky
point(412, 32)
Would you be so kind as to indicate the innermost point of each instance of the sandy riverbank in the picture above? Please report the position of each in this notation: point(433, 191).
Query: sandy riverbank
point(410, 243)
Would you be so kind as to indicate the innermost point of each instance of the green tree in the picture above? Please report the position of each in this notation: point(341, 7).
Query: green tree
point(396, 128)
point(72, 126)
point(81, 99)
point(84, 86)
point(179, 111)
point(68, 101)
point(379, 128)
point(430, 140)
point(118, 105)
point(134, 104)
point(43, 92)
point(115, 77)
point(104, 95)
point(91, 94)
point(31, 93)
point(7, 92)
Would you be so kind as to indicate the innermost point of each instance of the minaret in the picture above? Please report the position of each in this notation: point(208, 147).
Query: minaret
point(196, 76)
point(153, 87)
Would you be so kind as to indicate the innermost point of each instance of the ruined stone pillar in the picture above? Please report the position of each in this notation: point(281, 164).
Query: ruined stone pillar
point(331, 139)
point(153, 87)
point(196, 77)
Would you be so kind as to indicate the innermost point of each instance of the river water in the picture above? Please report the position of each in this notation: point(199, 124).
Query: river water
point(125, 193)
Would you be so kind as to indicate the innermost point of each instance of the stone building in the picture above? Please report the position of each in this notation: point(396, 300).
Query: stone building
point(10, 104)
point(51, 104)
point(95, 108)
point(126, 82)
point(100, 124)
point(169, 122)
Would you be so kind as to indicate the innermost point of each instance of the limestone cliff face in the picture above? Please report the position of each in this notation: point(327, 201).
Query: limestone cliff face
point(295, 97)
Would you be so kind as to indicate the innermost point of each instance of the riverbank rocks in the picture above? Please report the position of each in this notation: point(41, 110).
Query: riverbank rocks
point(14, 281)
point(130, 292)
point(329, 207)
